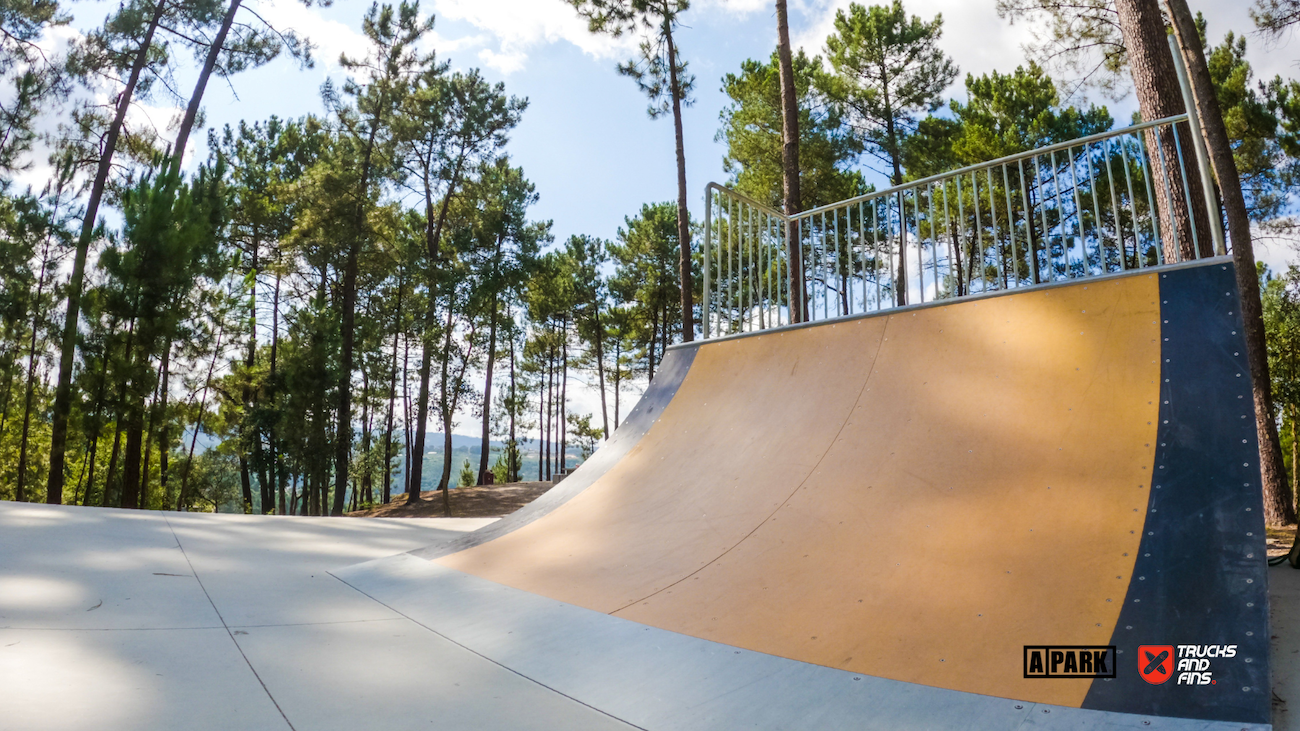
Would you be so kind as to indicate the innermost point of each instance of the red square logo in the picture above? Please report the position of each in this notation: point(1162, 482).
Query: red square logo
point(1156, 663)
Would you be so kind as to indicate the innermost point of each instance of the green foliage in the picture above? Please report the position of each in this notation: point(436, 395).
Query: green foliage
point(468, 476)
point(1004, 114)
point(752, 130)
point(584, 434)
point(645, 277)
point(1079, 41)
point(888, 68)
point(653, 70)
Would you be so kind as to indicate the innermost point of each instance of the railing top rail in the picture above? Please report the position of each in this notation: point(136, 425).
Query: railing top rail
point(741, 196)
point(982, 165)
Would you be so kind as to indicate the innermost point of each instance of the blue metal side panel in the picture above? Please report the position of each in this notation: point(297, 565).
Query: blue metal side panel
point(1200, 576)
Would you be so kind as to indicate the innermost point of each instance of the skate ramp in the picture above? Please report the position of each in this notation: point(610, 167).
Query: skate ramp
point(916, 496)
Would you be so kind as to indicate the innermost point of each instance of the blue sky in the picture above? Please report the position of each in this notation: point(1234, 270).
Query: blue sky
point(585, 140)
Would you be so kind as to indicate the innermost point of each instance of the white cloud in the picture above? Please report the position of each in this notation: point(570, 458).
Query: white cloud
point(331, 37)
point(973, 34)
point(506, 63)
point(519, 26)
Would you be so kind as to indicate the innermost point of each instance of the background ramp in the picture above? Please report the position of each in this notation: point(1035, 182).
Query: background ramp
point(918, 495)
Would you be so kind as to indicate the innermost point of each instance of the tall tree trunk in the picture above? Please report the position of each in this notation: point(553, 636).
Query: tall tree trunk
point(600, 368)
point(277, 467)
point(487, 395)
point(367, 479)
point(1279, 509)
point(564, 396)
point(198, 421)
point(196, 98)
point(654, 335)
point(164, 443)
point(618, 376)
point(512, 457)
point(29, 395)
point(683, 213)
point(63, 392)
point(789, 163)
point(541, 425)
point(123, 403)
point(106, 497)
point(1155, 81)
point(550, 407)
point(415, 475)
point(392, 401)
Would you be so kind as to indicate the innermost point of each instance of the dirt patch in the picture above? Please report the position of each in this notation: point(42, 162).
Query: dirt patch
point(1279, 539)
point(488, 501)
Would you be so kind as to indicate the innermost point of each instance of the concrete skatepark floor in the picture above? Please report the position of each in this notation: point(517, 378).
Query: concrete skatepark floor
point(117, 619)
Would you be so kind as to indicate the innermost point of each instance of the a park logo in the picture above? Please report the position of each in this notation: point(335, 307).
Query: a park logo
point(1156, 663)
point(1069, 661)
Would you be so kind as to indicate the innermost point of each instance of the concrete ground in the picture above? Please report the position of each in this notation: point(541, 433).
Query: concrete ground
point(115, 619)
point(1284, 610)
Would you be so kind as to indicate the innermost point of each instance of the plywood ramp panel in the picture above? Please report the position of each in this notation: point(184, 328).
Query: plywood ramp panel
point(913, 496)
point(747, 425)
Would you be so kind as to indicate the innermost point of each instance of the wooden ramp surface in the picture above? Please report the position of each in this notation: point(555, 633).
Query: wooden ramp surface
point(920, 494)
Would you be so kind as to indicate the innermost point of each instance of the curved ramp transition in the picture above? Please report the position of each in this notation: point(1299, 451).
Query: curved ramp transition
point(916, 496)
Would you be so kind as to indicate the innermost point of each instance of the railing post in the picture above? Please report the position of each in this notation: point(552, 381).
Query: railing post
point(708, 239)
point(1202, 154)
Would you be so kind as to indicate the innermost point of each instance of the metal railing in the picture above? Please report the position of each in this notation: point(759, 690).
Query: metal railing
point(1126, 199)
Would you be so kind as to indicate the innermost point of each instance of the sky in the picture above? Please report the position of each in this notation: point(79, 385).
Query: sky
point(585, 140)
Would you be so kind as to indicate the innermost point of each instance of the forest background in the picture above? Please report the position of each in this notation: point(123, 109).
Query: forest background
point(371, 200)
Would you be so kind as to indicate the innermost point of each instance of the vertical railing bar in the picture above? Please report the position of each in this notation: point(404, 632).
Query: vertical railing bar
point(893, 284)
point(763, 313)
point(1029, 223)
point(1096, 209)
point(979, 232)
point(1011, 231)
point(1114, 204)
point(1187, 195)
point(1042, 206)
point(1169, 197)
point(1060, 215)
point(862, 241)
point(825, 282)
point(920, 245)
point(731, 264)
point(961, 238)
point(875, 244)
point(947, 227)
point(993, 223)
point(1132, 205)
point(1078, 211)
point(934, 241)
point(838, 300)
point(1148, 170)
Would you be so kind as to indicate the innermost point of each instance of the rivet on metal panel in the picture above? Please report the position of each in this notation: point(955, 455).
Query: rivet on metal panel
point(1250, 581)
point(1249, 534)
point(1250, 634)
